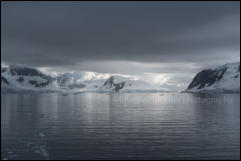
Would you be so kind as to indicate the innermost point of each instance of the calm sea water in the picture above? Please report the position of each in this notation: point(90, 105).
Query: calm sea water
point(120, 126)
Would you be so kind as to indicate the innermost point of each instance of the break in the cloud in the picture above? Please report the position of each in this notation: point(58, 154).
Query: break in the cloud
point(175, 39)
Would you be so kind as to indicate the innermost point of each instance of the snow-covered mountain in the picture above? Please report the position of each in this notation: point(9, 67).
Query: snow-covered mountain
point(23, 78)
point(117, 83)
point(17, 78)
point(225, 78)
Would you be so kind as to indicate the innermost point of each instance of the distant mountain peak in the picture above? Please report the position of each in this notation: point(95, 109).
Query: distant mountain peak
point(225, 78)
point(109, 83)
point(19, 78)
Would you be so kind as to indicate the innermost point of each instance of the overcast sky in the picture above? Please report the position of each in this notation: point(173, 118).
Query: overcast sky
point(175, 39)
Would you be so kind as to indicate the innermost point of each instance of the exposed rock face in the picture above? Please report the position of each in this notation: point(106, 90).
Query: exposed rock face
point(24, 75)
point(4, 80)
point(39, 84)
point(119, 86)
point(24, 71)
point(225, 78)
point(3, 69)
point(109, 83)
point(62, 81)
point(207, 78)
point(20, 79)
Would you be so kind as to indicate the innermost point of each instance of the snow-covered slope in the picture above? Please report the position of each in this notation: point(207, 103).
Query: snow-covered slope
point(117, 83)
point(23, 78)
point(225, 78)
point(17, 78)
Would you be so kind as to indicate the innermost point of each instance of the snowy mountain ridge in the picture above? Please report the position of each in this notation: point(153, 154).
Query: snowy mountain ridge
point(223, 79)
point(17, 78)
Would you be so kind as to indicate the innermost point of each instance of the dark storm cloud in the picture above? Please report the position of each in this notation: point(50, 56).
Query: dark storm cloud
point(70, 33)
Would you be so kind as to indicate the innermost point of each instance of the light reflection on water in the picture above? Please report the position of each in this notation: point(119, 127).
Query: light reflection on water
point(120, 126)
